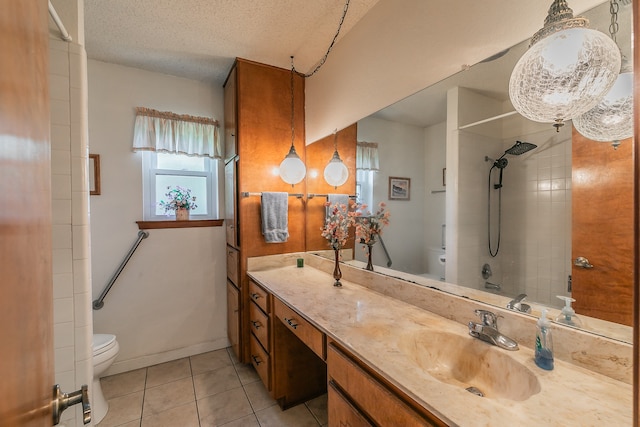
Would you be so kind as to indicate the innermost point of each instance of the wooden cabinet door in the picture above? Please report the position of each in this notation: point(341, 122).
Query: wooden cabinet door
point(231, 203)
point(233, 317)
point(230, 108)
point(341, 412)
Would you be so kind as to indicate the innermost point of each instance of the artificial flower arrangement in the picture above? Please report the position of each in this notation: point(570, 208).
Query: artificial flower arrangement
point(178, 198)
point(369, 226)
point(336, 227)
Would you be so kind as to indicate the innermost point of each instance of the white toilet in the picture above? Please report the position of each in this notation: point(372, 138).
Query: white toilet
point(105, 350)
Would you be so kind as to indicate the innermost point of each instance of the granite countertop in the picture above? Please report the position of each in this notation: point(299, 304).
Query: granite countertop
point(391, 336)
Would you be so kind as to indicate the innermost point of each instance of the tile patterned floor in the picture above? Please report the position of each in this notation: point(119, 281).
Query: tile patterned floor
point(210, 389)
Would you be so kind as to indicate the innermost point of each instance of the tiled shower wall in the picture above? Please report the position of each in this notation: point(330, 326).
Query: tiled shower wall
point(73, 327)
point(535, 248)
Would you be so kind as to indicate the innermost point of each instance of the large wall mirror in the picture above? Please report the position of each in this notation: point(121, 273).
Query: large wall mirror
point(460, 233)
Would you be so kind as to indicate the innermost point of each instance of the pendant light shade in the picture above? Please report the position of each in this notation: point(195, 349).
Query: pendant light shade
point(336, 173)
point(292, 168)
point(566, 71)
point(612, 119)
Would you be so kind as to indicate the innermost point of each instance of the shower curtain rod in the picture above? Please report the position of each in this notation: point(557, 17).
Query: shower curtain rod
point(65, 34)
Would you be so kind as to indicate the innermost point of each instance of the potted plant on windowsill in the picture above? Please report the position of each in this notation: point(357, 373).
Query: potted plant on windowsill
point(180, 201)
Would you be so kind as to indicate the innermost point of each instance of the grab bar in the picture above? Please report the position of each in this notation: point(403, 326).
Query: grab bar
point(386, 252)
point(99, 303)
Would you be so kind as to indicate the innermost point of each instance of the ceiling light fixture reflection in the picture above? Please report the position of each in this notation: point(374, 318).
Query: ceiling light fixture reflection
point(612, 119)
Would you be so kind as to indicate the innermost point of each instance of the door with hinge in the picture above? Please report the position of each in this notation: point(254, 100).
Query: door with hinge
point(26, 365)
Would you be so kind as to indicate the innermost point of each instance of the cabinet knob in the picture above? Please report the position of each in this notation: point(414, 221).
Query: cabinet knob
point(256, 324)
point(256, 360)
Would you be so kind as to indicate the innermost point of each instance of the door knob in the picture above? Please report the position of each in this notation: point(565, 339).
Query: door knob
point(62, 401)
point(582, 262)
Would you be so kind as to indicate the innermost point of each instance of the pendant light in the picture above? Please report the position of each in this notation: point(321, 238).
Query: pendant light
point(612, 119)
point(566, 71)
point(292, 168)
point(336, 172)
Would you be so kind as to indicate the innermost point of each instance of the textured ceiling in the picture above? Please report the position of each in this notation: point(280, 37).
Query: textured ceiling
point(199, 39)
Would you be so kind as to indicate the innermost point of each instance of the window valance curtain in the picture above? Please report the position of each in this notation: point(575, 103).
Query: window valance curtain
point(367, 156)
point(173, 133)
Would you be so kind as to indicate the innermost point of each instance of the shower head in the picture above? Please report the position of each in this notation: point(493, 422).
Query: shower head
point(520, 148)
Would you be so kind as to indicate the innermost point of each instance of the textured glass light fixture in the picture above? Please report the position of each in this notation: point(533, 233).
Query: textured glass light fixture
point(612, 119)
point(566, 71)
point(292, 168)
point(336, 172)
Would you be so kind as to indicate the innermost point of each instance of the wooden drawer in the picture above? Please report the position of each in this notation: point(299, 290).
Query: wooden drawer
point(233, 266)
point(371, 397)
point(260, 360)
point(341, 411)
point(308, 334)
point(259, 296)
point(259, 325)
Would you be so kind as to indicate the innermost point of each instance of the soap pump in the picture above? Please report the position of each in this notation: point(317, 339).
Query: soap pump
point(568, 315)
point(544, 344)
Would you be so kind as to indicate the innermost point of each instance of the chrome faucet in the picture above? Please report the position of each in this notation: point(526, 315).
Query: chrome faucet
point(487, 330)
point(517, 304)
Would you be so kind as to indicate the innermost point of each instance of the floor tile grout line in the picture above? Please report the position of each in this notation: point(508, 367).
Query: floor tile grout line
point(195, 397)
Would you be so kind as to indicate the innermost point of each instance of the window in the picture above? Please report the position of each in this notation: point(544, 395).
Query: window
point(364, 186)
point(199, 174)
point(177, 150)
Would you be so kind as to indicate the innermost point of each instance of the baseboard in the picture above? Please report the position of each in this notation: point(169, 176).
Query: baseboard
point(120, 366)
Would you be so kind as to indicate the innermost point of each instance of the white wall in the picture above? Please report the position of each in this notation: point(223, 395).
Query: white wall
point(401, 149)
point(396, 50)
point(434, 202)
point(170, 300)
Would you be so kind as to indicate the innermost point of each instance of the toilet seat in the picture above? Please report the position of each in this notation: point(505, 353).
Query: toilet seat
point(103, 343)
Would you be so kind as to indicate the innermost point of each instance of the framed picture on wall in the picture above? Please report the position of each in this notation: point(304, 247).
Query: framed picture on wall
point(399, 188)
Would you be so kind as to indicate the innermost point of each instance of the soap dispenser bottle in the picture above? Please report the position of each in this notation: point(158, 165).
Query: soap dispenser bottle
point(544, 344)
point(568, 314)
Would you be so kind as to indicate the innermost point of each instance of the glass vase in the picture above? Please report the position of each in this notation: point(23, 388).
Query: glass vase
point(369, 263)
point(337, 274)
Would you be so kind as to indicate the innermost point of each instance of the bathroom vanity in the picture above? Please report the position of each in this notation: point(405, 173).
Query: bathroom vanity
point(388, 362)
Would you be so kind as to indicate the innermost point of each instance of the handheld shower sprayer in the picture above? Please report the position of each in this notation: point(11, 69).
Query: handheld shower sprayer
point(501, 163)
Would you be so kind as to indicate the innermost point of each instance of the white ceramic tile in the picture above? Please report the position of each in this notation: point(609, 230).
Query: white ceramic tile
point(82, 309)
point(79, 174)
point(81, 275)
point(79, 146)
point(60, 137)
point(62, 285)
point(76, 68)
point(61, 187)
point(64, 358)
point(66, 379)
point(60, 162)
point(62, 310)
point(84, 342)
point(59, 87)
point(61, 236)
point(80, 204)
point(60, 112)
point(77, 114)
point(63, 335)
point(59, 63)
point(62, 261)
point(81, 235)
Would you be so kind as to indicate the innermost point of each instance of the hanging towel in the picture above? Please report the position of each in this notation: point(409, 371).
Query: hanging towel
point(340, 199)
point(275, 211)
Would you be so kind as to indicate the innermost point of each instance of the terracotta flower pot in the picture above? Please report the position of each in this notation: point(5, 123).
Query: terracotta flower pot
point(182, 215)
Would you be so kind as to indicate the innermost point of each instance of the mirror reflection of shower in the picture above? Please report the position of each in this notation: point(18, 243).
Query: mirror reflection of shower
point(501, 163)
